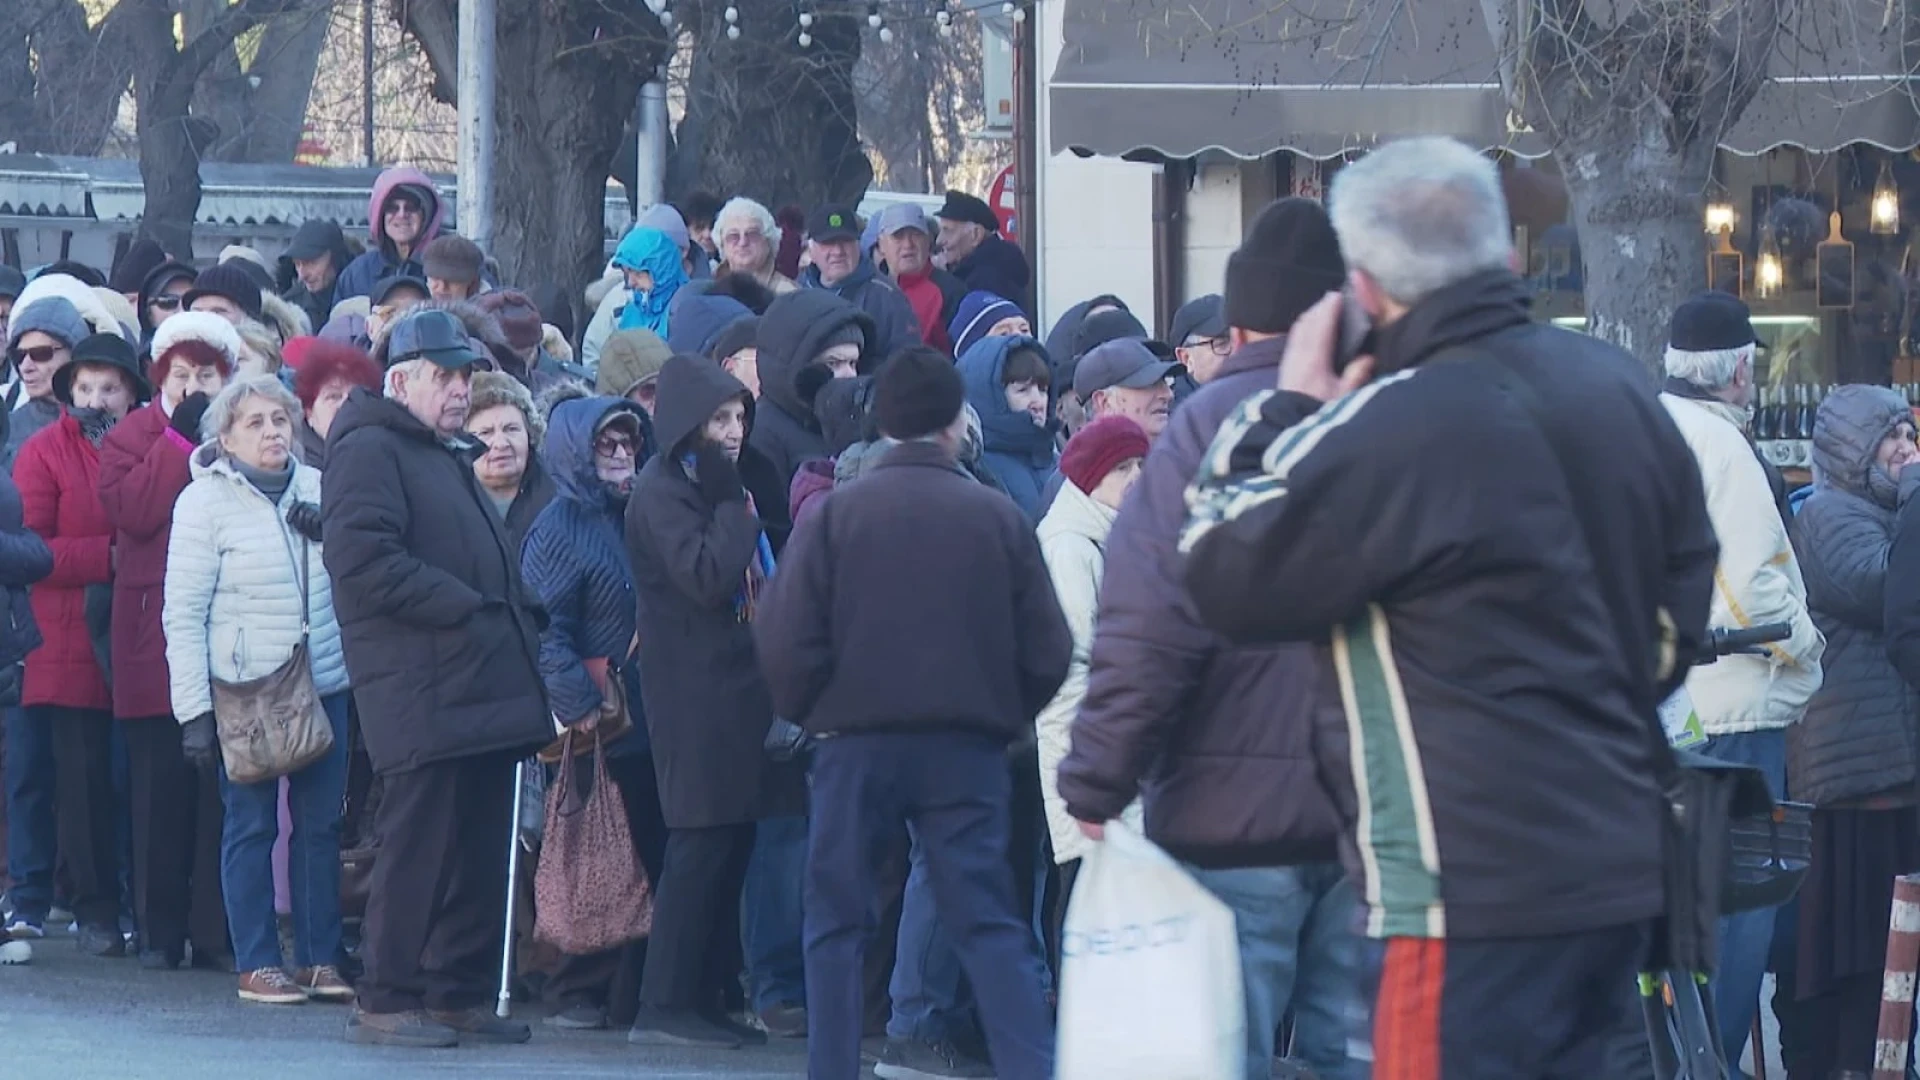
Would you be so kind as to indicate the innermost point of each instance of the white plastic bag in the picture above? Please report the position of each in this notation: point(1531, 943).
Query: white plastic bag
point(1150, 971)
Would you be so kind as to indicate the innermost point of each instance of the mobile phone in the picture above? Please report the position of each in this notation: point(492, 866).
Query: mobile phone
point(1356, 330)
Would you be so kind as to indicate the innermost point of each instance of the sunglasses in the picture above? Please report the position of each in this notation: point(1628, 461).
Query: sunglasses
point(613, 446)
point(407, 208)
point(39, 354)
point(165, 302)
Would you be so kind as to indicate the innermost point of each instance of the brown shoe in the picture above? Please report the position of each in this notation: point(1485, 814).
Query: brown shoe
point(323, 983)
point(480, 1025)
point(399, 1029)
point(270, 986)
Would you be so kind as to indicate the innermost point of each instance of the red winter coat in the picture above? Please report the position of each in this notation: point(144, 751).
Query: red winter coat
point(57, 472)
point(143, 470)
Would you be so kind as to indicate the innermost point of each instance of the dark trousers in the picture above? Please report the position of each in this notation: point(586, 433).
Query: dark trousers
point(876, 966)
point(437, 908)
point(695, 945)
point(954, 788)
point(611, 978)
point(1537, 1008)
point(87, 815)
point(177, 817)
point(32, 780)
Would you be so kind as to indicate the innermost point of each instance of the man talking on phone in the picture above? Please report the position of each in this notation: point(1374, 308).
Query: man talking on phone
point(1496, 537)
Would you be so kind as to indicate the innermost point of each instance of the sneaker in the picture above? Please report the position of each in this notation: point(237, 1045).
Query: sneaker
point(101, 941)
point(60, 916)
point(748, 1033)
point(15, 952)
point(480, 1025)
point(270, 986)
point(783, 1021)
point(912, 1059)
point(323, 983)
point(655, 1026)
point(20, 926)
point(580, 1017)
point(414, 1029)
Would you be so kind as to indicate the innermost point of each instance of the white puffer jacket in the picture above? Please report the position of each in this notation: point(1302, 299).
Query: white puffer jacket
point(232, 590)
point(1756, 581)
point(1073, 537)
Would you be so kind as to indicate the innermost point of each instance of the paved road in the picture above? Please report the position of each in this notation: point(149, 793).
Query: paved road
point(72, 1017)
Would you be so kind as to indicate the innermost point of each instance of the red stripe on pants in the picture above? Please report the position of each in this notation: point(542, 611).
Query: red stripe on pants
point(1406, 1015)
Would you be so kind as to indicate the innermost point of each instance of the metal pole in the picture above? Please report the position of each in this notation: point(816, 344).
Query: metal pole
point(366, 79)
point(503, 1007)
point(651, 170)
point(475, 200)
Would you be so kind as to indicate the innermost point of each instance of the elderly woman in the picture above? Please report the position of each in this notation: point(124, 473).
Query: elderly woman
point(246, 540)
point(42, 336)
point(175, 808)
point(748, 241)
point(328, 373)
point(502, 416)
point(576, 560)
point(66, 692)
point(1855, 755)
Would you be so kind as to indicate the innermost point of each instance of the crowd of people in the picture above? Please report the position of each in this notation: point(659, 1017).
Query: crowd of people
point(882, 609)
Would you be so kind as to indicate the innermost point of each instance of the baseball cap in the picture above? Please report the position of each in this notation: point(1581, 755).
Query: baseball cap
point(1124, 362)
point(431, 334)
point(385, 286)
point(833, 223)
point(904, 215)
point(1203, 316)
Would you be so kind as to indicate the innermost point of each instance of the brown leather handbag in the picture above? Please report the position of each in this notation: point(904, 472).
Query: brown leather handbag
point(274, 725)
point(616, 718)
point(590, 892)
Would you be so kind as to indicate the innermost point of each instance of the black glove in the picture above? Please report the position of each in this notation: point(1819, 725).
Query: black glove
point(305, 519)
point(188, 414)
point(719, 476)
point(200, 742)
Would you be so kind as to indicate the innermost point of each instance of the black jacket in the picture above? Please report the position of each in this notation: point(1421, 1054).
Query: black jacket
point(1496, 619)
point(997, 266)
point(441, 638)
point(24, 560)
point(785, 431)
point(536, 491)
point(707, 707)
point(915, 600)
point(1217, 738)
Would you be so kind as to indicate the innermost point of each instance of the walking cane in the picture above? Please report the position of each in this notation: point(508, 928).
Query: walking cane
point(505, 1006)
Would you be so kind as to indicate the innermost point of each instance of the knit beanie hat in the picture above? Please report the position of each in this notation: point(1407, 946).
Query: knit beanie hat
point(977, 313)
point(1097, 449)
point(453, 258)
point(518, 317)
point(201, 337)
point(739, 334)
point(1288, 261)
point(917, 393)
point(231, 281)
point(54, 316)
point(849, 334)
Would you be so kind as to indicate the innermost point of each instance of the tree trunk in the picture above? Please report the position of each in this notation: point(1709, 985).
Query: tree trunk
point(169, 139)
point(263, 123)
point(774, 121)
point(61, 79)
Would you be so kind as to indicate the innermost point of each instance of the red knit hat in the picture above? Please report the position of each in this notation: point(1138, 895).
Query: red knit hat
point(1095, 450)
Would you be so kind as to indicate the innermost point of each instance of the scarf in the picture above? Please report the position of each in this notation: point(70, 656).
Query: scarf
point(271, 483)
point(94, 424)
point(759, 568)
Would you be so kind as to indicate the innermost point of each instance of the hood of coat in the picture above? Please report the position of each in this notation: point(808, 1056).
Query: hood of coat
point(698, 318)
point(1002, 430)
point(366, 409)
point(285, 318)
point(568, 448)
point(159, 278)
point(1847, 431)
point(1076, 513)
point(390, 181)
point(629, 358)
point(790, 337)
point(656, 253)
point(691, 389)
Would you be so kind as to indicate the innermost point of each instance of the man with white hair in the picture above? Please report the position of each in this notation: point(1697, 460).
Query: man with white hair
point(1744, 703)
point(747, 238)
point(441, 640)
point(1499, 538)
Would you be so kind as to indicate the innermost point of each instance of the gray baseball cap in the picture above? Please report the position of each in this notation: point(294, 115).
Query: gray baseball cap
point(1129, 362)
point(904, 215)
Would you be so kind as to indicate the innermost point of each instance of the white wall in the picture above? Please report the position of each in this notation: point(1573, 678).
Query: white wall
point(1215, 219)
point(1096, 214)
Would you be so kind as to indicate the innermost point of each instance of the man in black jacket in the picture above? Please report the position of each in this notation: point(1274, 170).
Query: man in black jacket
point(974, 250)
point(915, 726)
point(443, 644)
point(1503, 537)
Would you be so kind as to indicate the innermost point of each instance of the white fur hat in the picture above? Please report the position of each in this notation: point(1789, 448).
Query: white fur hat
point(202, 326)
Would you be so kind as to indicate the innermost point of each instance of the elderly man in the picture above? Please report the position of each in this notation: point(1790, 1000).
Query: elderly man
point(1490, 666)
point(1744, 703)
point(1127, 377)
point(906, 250)
point(443, 645)
point(748, 240)
point(833, 245)
point(318, 253)
point(972, 247)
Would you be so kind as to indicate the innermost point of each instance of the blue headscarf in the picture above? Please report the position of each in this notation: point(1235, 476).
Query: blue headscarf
point(656, 253)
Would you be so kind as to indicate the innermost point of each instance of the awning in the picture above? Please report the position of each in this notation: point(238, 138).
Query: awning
point(1321, 77)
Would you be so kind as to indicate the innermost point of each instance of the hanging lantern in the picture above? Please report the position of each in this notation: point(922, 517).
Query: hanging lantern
point(1769, 271)
point(1884, 211)
point(1719, 216)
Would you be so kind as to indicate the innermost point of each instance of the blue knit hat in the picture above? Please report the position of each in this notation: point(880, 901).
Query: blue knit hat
point(978, 313)
point(54, 316)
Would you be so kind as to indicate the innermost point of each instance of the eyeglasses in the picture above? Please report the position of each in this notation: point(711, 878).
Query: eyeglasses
point(735, 238)
point(613, 446)
point(165, 302)
point(39, 354)
point(1220, 346)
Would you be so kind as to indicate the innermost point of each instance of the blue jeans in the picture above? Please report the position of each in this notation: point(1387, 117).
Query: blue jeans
point(928, 991)
point(1745, 938)
point(1300, 953)
point(314, 797)
point(770, 914)
point(31, 841)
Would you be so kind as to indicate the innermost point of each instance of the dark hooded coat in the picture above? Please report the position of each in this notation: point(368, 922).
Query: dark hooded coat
point(1018, 452)
point(382, 259)
point(895, 326)
point(319, 306)
point(792, 331)
point(708, 710)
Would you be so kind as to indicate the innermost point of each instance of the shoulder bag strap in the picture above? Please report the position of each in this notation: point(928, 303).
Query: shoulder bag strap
point(306, 598)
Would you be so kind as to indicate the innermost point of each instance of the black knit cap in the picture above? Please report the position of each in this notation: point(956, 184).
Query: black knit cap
point(917, 393)
point(131, 271)
point(1288, 261)
point(736, 335)
point(230, 281)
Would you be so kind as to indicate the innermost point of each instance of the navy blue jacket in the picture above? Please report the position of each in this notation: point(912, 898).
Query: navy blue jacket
point(24, 560)
point(895, 325)
point(575, 559)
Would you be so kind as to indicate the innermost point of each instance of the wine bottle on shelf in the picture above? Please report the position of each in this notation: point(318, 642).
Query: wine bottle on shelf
point(1815, 393)
point(1766, 417)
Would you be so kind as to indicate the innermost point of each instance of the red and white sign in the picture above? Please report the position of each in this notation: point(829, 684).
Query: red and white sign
point(1001, 197)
